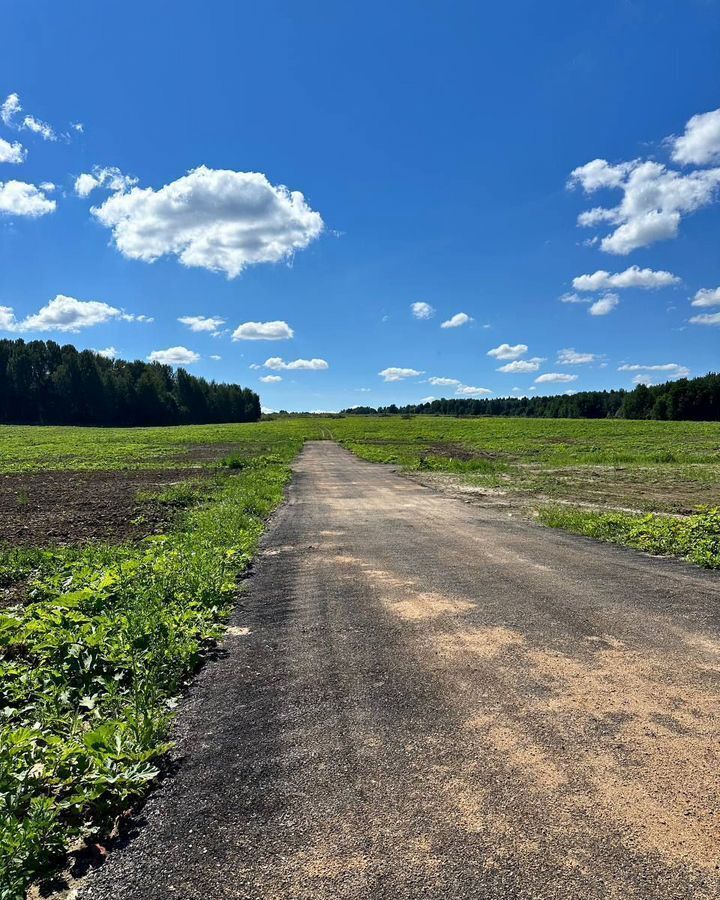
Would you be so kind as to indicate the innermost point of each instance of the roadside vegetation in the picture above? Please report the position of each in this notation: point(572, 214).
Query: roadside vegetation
point(695, 538)
point(91, 665)
point(98, 640)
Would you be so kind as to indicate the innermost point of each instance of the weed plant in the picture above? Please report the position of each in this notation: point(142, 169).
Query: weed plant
point(91, 667)
point(695, 538)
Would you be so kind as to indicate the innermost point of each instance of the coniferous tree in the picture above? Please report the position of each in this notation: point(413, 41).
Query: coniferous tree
point(42, 383)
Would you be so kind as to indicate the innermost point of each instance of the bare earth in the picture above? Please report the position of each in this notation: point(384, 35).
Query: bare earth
point(425, 698)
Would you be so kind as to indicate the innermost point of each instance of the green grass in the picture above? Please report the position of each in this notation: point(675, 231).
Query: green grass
point(551, 442)
point(91, 667)
point(695, 538)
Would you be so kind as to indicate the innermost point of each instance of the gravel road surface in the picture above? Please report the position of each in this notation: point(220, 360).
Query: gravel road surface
point(421, 698)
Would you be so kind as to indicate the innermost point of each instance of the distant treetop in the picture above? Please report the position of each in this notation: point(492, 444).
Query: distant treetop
point(43, 383)
point(696, 399)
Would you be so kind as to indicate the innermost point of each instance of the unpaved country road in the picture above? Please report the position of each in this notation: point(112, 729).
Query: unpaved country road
point(435, 700)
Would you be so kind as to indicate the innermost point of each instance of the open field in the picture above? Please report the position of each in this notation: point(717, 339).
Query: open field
point(120, 551)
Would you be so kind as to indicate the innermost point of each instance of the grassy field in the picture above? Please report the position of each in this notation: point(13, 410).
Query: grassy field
point(101, 627)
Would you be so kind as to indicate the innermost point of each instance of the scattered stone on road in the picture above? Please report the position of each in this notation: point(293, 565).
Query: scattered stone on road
point(421, 698)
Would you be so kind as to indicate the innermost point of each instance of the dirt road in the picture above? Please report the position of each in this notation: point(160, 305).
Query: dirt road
point(422, 698)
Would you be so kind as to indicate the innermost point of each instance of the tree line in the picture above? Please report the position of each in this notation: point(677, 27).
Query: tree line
point(44, 383)
point(695, 399)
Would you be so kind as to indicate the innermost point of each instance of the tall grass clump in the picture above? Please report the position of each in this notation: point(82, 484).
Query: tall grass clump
point(90, 668)
point(695, 538)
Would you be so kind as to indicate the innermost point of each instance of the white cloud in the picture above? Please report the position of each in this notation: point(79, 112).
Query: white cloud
point(654, 200)
point(570, 357)
point(633, 277)
point(604, 305)
point(508, 351)
point(555, 377)
point(270, 379)
point(263, 331)
point(10, 108)
point(599, 174)
point(109, 177)
point(46, 132)
point(202, 323)
point(457, 320)
point(216, 219)
point(394, 373)
point(422, 310)
point(17, 198)
point(521, 366)
point(174, 356)
point(443, 382)
point(64, 314)
point(77, 126)
point(108, 353)
point(700, 144)
point(215, 357)
point(574, 298)
point(642, 379)
point(12, 153)
point(673, 370)
point(707, 297)
point(309, 365)
point(428, 399)
point(706, 319)
point(466, 390)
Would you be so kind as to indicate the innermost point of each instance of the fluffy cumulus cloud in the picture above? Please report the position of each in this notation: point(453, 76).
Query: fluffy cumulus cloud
point(457, 320)
point(508, 351)
point(64, 314)
point(108, 177)
point(700, 144)
point(215, 219)
point(574, 298)
point(12, 152)
point(437, 381)
point(707, 297)
point(17, 198)
point(669, 370)
point(108, 353)
point(570, 357)
point(174, 356)
point(202, 323)
point(467, 390)
point(263, 331)
point(422, 310)
point(522, 366)
point(633, 277)
point(604, 305)
point(555, 378)
point(270, 379)
point(305, 365)
point(10, 111)
point(397, 373)
point(654, 197)
point(706, 319)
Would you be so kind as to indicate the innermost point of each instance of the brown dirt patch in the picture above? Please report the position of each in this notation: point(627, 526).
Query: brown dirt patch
point(39, 509)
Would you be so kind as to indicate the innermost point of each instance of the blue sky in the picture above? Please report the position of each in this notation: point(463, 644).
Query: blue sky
point(431, 144)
